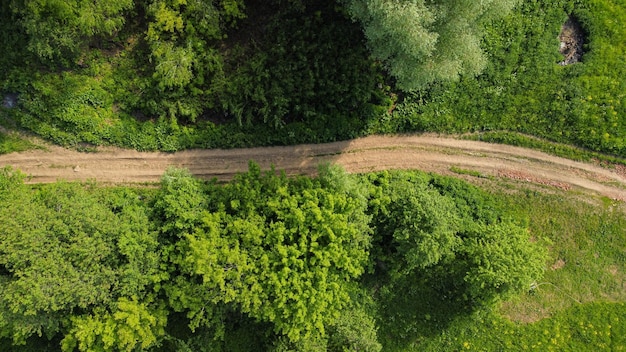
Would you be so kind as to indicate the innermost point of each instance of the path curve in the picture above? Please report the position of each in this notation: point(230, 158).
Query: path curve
point(424, 152)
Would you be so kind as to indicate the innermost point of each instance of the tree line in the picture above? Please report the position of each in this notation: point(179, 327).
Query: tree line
point(289, 61)
point(264, 261)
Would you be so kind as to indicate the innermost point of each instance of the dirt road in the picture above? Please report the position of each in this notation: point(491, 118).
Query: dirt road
point(424, 152)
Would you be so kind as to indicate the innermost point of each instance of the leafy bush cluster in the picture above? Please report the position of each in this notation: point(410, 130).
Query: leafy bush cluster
point(523, 89)
point(171, 75)
point(267, 261)
point(315, 67)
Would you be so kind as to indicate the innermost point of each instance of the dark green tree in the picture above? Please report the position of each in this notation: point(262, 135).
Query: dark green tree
point(450, 236)
point(58, 29)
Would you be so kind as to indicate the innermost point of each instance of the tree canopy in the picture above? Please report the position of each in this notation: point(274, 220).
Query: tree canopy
point(280, 260)
point(57, 30)
point(422, 42)
point(71, 259)
point(281, 250)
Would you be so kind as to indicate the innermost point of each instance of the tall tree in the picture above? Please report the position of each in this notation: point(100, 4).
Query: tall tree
point(78, 264)
point(58, 29)
point(426, 41)
point(278, 250)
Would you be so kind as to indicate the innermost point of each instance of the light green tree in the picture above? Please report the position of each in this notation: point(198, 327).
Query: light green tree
point(421, 41)
point(278, 250)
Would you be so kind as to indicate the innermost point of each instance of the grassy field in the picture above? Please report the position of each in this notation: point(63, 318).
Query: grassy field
point(580, 304)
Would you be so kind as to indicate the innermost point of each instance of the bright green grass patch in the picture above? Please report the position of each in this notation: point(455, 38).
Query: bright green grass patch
point(586, 265)
point(588, 327)
point(11, 142)
point(587, 253)
point(524, 89)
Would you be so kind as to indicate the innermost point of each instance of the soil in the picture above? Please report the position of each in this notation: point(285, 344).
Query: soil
point(429, 153)
point(572, 39)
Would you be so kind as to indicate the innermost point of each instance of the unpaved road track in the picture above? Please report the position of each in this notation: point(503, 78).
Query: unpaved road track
point(424, 152)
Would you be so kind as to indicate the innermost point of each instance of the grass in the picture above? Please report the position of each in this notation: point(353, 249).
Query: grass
point(589, 327)
point(587, 258)
point(558, 149)
point(11, 142)
point(579, 304)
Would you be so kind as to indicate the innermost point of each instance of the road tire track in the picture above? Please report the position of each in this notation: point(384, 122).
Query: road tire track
point(424, 152)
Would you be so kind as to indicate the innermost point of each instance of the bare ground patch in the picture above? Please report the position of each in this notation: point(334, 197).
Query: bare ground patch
point(428, 153)
point(572, 38)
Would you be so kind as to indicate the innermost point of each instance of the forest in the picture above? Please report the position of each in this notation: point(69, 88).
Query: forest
point(176, 74)
point(393, 260)
point(380, 261)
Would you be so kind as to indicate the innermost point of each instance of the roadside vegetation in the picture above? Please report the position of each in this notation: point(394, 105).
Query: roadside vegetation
point(11, 142)
point(387, 261)
point(394, 260)
point(171, 75)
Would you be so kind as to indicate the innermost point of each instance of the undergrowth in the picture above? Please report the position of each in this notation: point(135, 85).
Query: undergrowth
point(11, 142)
point(259, 94)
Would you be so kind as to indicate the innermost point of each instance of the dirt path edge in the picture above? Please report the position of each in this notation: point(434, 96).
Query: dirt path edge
point(423, 152)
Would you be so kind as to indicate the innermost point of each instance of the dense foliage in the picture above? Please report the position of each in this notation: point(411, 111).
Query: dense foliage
point(58, 31)
point(425, 42)
point(77, 262)
point(278, 250)
point(171, 75)
point(523, 89)
point(277, 263)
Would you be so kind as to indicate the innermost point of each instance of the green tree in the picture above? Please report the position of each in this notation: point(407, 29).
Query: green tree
point(443, 231)
point(353, 330)
point(499, 261)
point(278, 250)
point(182, 37)
point(426, 41)
point(131, 325)
point(73, 257)
point(302, 70)
point(58, 29)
